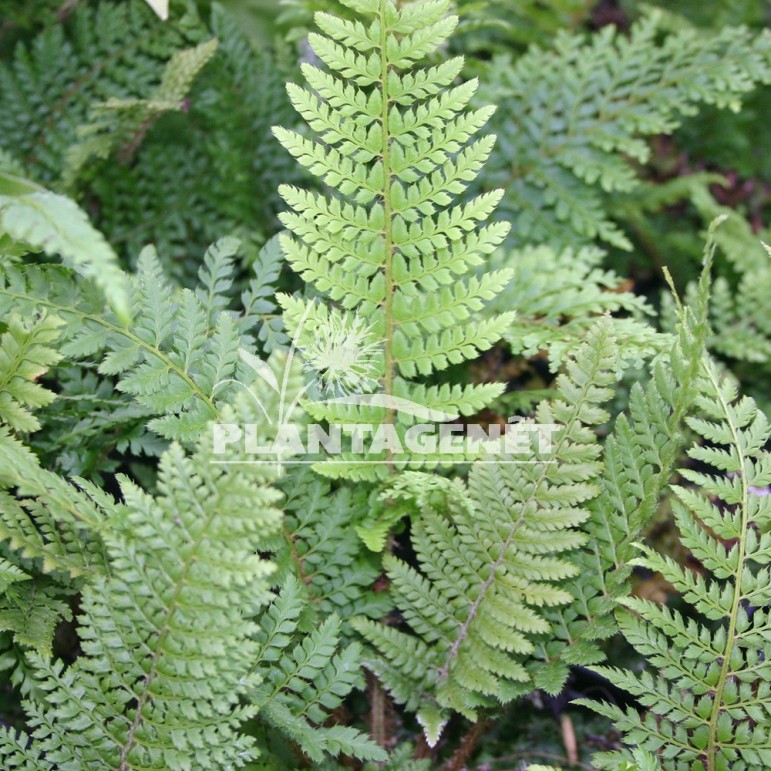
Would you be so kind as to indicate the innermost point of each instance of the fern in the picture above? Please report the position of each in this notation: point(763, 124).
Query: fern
point(25, 354)
point(305, 677)
point(573, 114)
point(491, 559)
point(179, 355)
point(122, 123)
point(147, 691)
point(640, 456)
point(113, 50)
point(36, 219)
point(559, 294)
point(395, 145)
point(707, 696)
point(47, 524)
point(321, 548)
point(222, 135)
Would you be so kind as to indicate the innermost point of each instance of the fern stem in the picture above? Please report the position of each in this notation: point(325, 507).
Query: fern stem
point(713, 745)
point(459, 759)
point(388, 375)
point(377, 711)
point(145, 696)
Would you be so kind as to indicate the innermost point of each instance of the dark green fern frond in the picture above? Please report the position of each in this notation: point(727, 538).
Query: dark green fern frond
point(322, 549)
point(572, 115)
point(113, 50)
point(305, 677)
point(222, 136)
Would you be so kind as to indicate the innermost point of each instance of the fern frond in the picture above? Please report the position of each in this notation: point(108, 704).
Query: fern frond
point(184, 579)
point(571, 114)
point(180, 354)
point(305, 677)
point(37, 219)
point(121, 124)
point(396, 145)
point(708, 693)
point(105, 51)
point(48, 519)
point(25, 355)
point(321, 548)
point(492, 558)
point(559, 294)
point(640, 457)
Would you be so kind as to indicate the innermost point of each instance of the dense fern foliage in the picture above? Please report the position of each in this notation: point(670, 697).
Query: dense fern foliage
point(570, 139)
point(229, 230)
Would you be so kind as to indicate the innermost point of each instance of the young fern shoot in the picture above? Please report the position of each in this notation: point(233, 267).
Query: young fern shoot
point(387, 243)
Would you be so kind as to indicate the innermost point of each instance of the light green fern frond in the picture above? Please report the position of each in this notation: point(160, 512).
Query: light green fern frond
point(492, 558)
point(26, 354)
point(558, 294)
point(396, 145)
point(640, 456)
point(49, 529)
point(38, 220)
point(121, 124)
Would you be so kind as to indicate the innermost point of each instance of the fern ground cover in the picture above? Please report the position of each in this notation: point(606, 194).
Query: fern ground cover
point(383, 385)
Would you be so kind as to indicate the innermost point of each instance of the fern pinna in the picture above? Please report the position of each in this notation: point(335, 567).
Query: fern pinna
point(708, 697)
point(388, 244)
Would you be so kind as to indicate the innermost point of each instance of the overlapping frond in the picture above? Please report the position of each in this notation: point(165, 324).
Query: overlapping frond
point(167, 639)
point(121, 124)
point(178, 357)
point(558, 294)
point(305, 676)
point(640, 456)
point(492, 557)
point(105, 51)
point(321, 548)
point(34, 219)
point(26, 354)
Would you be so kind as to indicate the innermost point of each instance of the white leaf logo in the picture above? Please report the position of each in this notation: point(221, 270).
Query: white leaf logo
point(161, 7)
point(260, 367)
